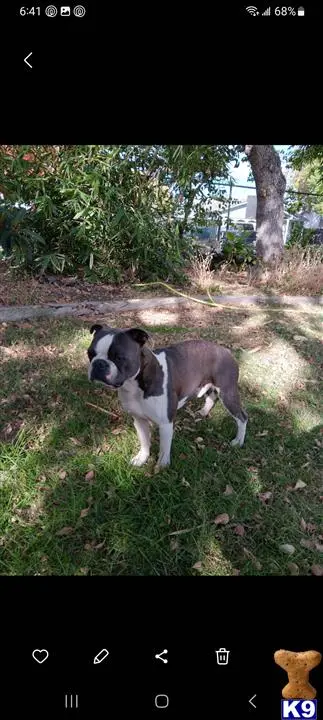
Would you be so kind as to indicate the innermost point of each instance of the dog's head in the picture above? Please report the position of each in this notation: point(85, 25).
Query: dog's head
point(114, 355)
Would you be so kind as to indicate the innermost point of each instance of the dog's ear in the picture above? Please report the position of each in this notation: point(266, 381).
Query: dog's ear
point(95, 328)
point(139, 336)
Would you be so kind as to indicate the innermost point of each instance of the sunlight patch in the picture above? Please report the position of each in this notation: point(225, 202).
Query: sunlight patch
point(254, 321)
point(215, 561)
point(158, 317)
point(277, 368)
point(304, 418)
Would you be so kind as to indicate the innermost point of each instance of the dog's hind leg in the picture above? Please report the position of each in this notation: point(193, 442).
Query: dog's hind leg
point(144, 436)
point(231, 401)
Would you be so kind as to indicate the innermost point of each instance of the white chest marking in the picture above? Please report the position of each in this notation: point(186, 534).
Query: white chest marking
point(153, 408)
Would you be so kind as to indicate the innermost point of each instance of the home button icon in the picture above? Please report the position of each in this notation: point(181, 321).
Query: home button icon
point(161, 701)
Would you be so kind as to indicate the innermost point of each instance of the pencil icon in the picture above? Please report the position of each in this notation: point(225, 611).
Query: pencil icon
point(102, 655)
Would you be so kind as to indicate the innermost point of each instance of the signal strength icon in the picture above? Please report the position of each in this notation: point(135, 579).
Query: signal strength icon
point(267, 12)
point(252, 10)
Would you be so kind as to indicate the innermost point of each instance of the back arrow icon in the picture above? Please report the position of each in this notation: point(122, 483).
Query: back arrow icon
point(251, 703)
point(26, 60)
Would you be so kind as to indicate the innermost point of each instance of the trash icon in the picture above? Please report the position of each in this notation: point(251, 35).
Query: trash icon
point(222, 656)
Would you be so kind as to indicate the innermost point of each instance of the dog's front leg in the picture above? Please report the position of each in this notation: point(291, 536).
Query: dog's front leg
point(144, 436)
point(165, 438)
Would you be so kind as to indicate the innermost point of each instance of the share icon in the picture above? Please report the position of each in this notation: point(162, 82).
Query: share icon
point(159, 656)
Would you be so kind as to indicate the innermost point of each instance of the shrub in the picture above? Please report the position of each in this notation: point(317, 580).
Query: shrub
point(92, 207)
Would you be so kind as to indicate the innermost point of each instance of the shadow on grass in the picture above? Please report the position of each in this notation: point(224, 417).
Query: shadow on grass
point(57, 519)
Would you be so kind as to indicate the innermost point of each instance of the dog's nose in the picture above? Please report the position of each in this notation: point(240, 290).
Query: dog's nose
point(101, 365)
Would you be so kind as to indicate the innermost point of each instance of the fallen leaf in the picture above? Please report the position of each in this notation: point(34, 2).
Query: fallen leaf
point(262, 434)
point(317, 570)
point(299, 337)
point(239, 530)
point(235, 572)
point(319, 547)
point(99, 545)
point(308, 544)
point(289, 549)
point(65, 531)
point(117, 431)
point(180, 532)
point(182, 456)
point(299, 485)
point(41, 478)
point(89, 475)
point(265, 496)
point(23, 326)
point(62, 474)
point(89, 545)
point(303, 524)
point(84, 512)
point(228, 490)
point(311, 527)
point(293, 568)
point(174, 545)
point(255, 349)
point(222, 519)
point(185, 482)
point(75, 441)
point(197, 566)
point(199, 440)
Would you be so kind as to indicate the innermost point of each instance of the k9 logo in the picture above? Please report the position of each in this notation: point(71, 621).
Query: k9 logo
point(299, 709)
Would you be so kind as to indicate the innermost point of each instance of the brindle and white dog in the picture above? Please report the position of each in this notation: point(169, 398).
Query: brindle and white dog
point(152, 386)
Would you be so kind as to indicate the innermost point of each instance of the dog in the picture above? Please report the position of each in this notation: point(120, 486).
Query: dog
point(152, 386)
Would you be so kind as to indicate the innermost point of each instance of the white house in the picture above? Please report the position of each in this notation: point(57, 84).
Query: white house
point(246, 212)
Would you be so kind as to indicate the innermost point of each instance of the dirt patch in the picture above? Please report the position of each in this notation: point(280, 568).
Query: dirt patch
point(57, 289)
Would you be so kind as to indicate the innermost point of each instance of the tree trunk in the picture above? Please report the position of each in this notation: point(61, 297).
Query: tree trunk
point(270, 187)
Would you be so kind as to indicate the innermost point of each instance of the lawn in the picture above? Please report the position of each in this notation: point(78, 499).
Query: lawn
point(71, 504)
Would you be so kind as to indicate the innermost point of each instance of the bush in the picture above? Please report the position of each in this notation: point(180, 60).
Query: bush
point(236, 251)
point(89, 207)
point(300, 236)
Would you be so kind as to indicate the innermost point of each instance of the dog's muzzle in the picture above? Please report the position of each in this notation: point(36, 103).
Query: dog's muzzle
point(100, 371)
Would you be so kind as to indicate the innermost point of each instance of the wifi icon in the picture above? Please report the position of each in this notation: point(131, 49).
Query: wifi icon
point(252, 10)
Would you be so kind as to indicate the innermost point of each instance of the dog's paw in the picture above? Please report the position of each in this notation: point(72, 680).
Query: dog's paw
point(158, 468)
point(139, 459)
point(236, 442)
point(162, 463)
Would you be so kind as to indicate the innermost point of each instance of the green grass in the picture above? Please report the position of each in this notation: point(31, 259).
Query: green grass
point(51, 439)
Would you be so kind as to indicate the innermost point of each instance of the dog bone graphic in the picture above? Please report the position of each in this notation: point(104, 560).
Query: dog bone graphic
point(298, 666)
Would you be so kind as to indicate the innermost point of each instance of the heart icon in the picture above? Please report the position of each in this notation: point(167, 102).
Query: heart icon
point(40, 655)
